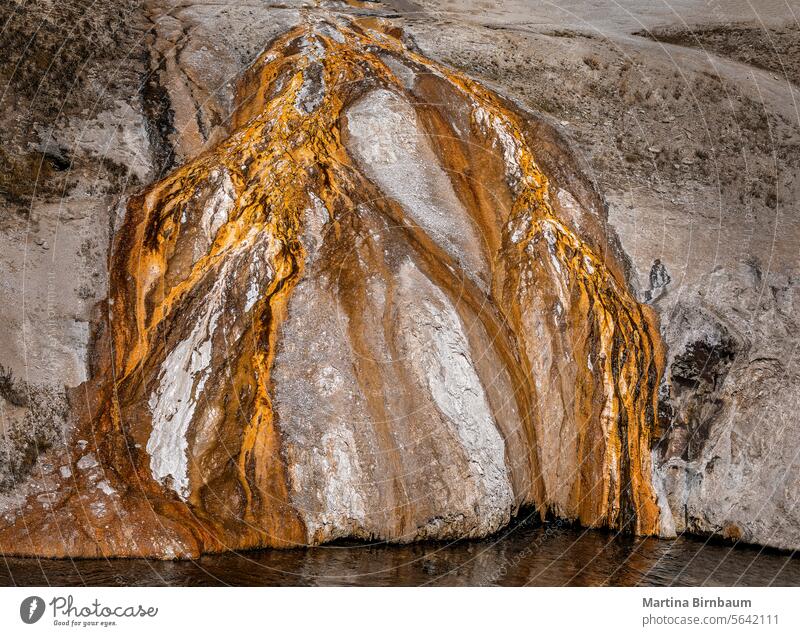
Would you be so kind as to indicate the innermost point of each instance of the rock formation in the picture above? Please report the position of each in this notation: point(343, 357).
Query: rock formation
point(383, 303)
point(694, 141)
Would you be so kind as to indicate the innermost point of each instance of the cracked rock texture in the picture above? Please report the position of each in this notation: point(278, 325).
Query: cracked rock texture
point(277, 277)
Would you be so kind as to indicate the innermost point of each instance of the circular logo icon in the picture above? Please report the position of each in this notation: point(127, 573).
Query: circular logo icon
point(31, 609)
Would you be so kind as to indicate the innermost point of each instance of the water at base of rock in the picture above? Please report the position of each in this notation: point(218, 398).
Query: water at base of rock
point(524, 554)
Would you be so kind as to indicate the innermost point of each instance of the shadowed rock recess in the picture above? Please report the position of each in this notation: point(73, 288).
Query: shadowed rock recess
point(385, 306)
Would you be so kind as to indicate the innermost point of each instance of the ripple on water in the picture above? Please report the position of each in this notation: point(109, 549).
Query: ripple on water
point(525, 554)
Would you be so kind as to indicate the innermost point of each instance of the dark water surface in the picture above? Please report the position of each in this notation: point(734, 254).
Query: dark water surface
point(522, 555)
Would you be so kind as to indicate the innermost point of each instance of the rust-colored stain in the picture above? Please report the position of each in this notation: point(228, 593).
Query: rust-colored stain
point(583, 357)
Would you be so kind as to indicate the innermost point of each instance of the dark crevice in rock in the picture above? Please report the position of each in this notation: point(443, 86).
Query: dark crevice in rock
point(159, 116)
point(659, 279)
point(691, 400)
point(10, 389)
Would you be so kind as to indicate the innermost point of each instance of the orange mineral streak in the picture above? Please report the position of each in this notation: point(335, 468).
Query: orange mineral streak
point(615, 488)
point(587, 373)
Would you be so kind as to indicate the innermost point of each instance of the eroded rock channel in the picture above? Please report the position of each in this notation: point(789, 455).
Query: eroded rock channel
point(386, 305)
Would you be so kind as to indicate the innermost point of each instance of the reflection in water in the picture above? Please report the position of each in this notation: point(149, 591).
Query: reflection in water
point(524, 554)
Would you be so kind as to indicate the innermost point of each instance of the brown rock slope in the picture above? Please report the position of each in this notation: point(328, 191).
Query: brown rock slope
point(384, 307)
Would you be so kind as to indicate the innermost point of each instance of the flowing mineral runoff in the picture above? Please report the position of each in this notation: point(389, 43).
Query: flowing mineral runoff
point(386, 306)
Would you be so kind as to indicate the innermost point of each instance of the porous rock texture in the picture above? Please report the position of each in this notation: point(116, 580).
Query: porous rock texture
point(364, 296)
